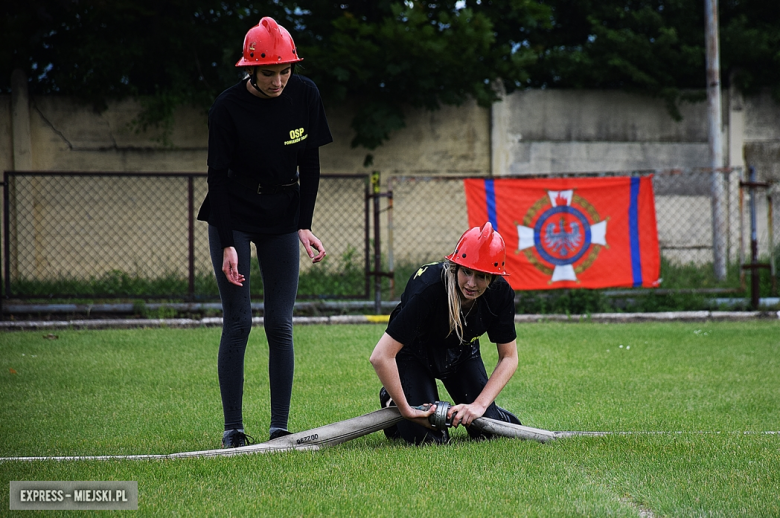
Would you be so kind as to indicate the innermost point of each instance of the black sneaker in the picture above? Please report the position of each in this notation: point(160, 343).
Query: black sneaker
point(385, 401)
point(508, 416)
point(278, 433)
point(236, 438)
point(384, 398)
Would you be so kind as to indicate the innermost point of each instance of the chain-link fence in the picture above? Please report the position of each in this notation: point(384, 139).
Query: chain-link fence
point(122, 235)
point(429, 215)
point(135, 235)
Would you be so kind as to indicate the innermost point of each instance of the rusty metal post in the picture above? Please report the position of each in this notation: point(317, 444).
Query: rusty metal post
point(191, 237)
point(375, 193)
point(6, 232)
point(367, 234)
point(390, 258)
point(754, 265)
point(771, 228)
point(742, 257)
point(714, 117)
point(4, 276)
point(755, 285)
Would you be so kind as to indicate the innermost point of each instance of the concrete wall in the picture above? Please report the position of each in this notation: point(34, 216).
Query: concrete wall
point(65, 135)
point(552, 131)
point(556, 131)
point(528, 132)
point(452, 140)
point(761, 116)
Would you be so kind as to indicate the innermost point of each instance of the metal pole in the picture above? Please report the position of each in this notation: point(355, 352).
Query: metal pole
point(5, 205)
point(377, 248)
point(6, 235)
point(742, 258)
point(390, 260)
point(754, 274)
point(191, 236)
point(719, 235)
point(770, 226)
point(367, 234)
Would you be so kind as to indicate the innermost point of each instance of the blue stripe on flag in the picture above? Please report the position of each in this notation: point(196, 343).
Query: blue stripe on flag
point(490, 198)
point(633, 224)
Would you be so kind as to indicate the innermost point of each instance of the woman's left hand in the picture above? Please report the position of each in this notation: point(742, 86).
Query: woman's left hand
point(311, 244)
point(465, 414)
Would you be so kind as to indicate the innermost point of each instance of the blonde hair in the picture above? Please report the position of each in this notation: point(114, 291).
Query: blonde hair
point(450, 275)
point(454, 304)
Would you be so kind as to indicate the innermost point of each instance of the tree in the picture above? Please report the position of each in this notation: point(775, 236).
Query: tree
point(656, 47)
point(383, 55)
point(379, 54)
point(166, 54)
point(750, 44)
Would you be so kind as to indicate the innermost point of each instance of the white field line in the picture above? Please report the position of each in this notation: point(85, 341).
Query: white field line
point(224, 452)
point(562, 435)
point(273, 448)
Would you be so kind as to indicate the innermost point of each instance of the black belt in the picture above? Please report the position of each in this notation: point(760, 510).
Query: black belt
point(256, 186)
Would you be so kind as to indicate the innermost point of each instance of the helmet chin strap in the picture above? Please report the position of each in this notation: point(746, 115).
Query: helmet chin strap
point(253, 82)
point(253, 79)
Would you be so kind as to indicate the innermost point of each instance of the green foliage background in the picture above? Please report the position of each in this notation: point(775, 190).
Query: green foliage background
point(384, 55)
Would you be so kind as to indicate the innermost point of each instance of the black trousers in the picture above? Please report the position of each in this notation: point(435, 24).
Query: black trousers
point(464, 384)
point(279, 263)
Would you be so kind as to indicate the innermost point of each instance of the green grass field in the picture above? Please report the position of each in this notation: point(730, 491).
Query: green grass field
point(696, 402)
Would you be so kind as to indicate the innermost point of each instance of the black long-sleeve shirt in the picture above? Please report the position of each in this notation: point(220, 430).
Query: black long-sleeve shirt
point(268, 142)
point(421, 320)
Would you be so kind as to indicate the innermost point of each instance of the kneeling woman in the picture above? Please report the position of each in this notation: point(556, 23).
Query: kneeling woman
point(434, 334)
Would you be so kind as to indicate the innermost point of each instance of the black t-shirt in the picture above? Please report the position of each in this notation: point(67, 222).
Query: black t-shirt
point(261, 141)
point(421, 320)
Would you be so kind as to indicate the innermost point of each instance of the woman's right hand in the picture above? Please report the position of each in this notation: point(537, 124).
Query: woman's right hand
point(383, 360)
point(416, 415)
point(230, 266)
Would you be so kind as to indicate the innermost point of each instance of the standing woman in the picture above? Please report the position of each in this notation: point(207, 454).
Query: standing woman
point(434, 334)
point(263, 175)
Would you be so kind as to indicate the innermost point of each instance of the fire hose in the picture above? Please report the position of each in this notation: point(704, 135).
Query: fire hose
point(333, 434)
point(440, 421)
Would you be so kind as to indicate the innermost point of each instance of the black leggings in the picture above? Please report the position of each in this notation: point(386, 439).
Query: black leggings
point(463, 385)
point(278, 256)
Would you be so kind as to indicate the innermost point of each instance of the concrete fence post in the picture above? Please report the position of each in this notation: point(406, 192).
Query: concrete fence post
point(20, 122)
point(714, 118)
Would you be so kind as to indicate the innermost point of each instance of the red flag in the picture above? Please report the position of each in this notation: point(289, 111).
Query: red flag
point(571, 232)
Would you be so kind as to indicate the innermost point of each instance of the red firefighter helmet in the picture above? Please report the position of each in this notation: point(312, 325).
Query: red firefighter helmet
point(268, 43)
point(481, 249)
